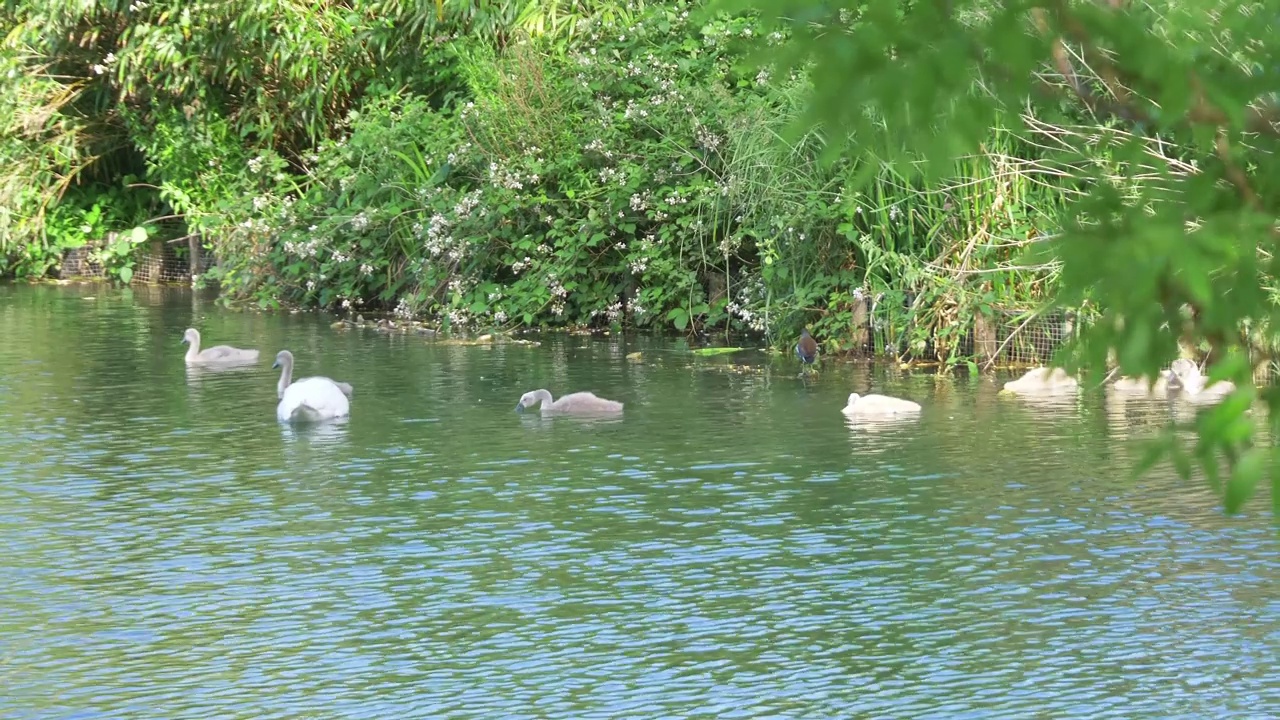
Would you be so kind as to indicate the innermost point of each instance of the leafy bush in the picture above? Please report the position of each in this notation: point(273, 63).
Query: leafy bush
point(642, 177)
point(87, 88)
point(632, 167)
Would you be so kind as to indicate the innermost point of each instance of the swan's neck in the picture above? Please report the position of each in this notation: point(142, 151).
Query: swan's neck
point(193, 348)
point(545, 397)
point(286, 376)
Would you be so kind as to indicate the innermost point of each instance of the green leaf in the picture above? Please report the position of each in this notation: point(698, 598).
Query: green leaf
point(138, 235)
point(679, 317)
point(1233, 364)
point(1275, 485)
point(1244, 479)
point(1154, 451)
point(126, 275)
point(1181, 460)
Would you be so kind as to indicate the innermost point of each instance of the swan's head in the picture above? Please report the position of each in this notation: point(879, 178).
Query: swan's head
point(853, 398)
point(191, 336)
point(528, 399)
point(284, 358)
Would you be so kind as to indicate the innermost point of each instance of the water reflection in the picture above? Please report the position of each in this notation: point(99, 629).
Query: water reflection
point(328, 432)
point(196, 374)
point(732, 545)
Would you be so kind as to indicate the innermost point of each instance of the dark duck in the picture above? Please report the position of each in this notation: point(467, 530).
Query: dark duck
point(807, 348)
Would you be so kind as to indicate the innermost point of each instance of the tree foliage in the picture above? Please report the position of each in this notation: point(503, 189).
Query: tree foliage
point(1165, 115)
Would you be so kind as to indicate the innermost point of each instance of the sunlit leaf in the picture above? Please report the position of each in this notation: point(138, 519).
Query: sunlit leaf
point(1244, 478)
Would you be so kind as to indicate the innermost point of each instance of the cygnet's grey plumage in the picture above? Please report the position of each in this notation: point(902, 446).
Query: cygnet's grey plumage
point(579, 403)
point(1042, 380)
point(310, 399)
point(216, 355)
point(879, 406)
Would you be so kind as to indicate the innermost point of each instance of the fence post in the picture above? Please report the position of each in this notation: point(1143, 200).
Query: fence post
point(985, 345)
point(193, 255)
point(858, 326)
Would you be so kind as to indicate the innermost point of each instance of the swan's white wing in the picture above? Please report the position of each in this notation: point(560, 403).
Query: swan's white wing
point(313, 398)
point(344, 387)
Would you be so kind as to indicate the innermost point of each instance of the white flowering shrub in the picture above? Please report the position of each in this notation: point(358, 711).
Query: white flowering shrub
point(641, 175)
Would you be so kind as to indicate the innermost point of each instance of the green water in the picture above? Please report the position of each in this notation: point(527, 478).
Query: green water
point(730, 548)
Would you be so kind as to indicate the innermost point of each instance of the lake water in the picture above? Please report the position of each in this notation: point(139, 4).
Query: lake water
point(730, 548)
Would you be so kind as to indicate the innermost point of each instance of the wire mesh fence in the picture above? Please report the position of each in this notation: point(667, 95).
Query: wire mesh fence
point(79, 263)
point(159, 263)
point(1022, 337)
point(1009, 337)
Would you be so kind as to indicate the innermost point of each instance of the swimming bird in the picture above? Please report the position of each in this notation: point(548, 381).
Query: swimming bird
point(1143, 384)
point(580, 403)
point(879, 405)
point(1041, 380)
point(286, 376)
point(1195, 386)
point(218, 354)
point(807, 347)
point(310, 399)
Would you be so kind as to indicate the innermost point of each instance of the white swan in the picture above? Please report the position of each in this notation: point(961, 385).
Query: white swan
point(1143, 384)
point(310, 399)
point(286, 376)
point(1042, 380)
point(1194, 386)
point(582, 403)
point(218, 354)
point(878, 405)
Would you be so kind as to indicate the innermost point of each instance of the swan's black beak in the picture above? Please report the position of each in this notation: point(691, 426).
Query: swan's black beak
point(275, 365)
point(519, 408)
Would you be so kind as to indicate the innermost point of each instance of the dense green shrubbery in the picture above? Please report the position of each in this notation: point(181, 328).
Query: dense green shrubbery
point(643, 177)
point(641, 173)
point(95, 95)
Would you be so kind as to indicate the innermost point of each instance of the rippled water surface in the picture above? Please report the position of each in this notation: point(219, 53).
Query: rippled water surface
point(730, 548)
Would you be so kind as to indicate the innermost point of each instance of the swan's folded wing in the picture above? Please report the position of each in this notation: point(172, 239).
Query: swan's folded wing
point(226, 352)
point(321, 395)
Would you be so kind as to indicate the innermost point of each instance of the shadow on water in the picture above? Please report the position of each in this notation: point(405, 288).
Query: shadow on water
point(732, 545)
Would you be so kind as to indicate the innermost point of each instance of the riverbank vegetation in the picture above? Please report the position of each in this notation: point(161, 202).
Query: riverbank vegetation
point(590, 163)
point(561, 163)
